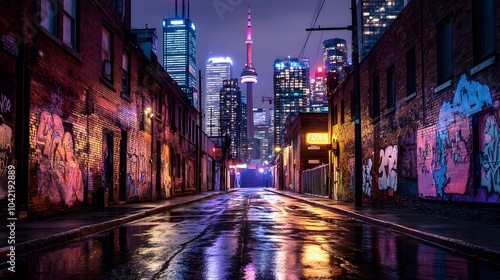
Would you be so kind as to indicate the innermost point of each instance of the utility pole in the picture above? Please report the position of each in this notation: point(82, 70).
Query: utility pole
point(358, 165)
point(199, 140)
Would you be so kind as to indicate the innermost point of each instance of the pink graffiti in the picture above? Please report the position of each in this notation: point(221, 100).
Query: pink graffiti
point(426, 160)
point(60, 177)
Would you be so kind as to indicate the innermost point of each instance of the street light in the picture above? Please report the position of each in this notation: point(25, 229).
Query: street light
point(277, 149)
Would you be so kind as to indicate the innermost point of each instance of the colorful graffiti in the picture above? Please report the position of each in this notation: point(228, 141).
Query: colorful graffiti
point(490, 156)
point(137, 183)
point(408, 156)
point(59, 174)
point(165, 177)
point(426, 158)
point(5, 153)
point(190, 175)
point(445, 153)
point(352, 174)
point(367, 177)
point(388, 175)
point(4, 104)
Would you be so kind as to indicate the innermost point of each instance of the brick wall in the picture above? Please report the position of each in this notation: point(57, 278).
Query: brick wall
point(430, 146)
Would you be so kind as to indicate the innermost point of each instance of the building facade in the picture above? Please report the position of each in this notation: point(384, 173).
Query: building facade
point(374, 17)
point(218, 69)
point(179, 54)
point(318, 99)
point(335, 56)
point(291, 92)
point(231, 117)
point(429, 112)
point(106, 126)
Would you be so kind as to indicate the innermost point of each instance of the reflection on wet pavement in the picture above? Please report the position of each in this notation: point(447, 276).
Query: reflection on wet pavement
point(249, 234)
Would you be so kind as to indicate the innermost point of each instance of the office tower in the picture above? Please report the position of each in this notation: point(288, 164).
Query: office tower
point(249, 77)
point(218, 69)
point(147, 39)
point(374, 17)
point(261, 130)
point(179, 51)
point(231, 118)
point(319, 99)
point(291, 92)
point(335, 56)
point(259, 116)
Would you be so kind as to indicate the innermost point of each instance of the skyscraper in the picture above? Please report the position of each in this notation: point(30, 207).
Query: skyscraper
point(179, 51)
point(218, 69)
point(319, 99)
point(249, 77)
point(335, 56)
point(374, 17)
point(291, 92)
point(231, 117)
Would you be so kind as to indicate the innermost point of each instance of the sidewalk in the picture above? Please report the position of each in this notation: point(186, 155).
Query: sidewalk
point(39, 234)
point(468, 238)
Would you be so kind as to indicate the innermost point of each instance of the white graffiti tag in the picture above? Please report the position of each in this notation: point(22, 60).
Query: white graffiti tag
point(388, 175)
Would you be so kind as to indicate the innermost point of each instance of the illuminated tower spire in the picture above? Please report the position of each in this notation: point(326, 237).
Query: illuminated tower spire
point(249, 77)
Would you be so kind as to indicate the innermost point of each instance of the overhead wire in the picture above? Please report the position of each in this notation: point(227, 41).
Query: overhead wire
point(319, 7)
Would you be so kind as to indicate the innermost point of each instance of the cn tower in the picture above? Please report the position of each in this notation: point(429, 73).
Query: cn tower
point(249, 77)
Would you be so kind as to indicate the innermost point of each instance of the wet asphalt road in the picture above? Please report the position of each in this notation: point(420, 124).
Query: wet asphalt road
point(249, 234)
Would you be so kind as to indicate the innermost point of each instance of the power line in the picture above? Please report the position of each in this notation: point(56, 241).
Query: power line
point(319, 7)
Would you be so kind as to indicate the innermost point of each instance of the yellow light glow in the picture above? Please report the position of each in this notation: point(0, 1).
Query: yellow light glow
point(317, 138)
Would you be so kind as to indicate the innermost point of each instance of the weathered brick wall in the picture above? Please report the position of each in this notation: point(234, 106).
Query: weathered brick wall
point(431, 146)
point(77, 119)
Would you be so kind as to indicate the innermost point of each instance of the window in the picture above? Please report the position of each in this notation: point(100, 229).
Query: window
point(107, 64)
point(411, 72)
point(391, 88)
point(125, 75)
point(48, 15)
point(444, 51)
point(376, 98)
point(484, 30)
point(69, 24)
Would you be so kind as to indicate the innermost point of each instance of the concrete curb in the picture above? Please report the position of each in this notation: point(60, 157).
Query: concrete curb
point(450, 244)
point(82, 232)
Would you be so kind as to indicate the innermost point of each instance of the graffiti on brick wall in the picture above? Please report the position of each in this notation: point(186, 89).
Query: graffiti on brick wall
point(59, 175)
point(166, 180)
point(5, 153)
point(351, 173)
point(445, 153)
point(367, 177)
point(388, 174)
point(426, 161)
point(137, 183)
point(4, 104)
point(490, 153)
point(408, 156)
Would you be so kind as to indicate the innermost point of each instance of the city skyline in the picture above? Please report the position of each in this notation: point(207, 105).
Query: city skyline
point(279, 30)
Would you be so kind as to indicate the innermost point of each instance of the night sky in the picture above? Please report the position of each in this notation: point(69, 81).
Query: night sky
point(278, 30)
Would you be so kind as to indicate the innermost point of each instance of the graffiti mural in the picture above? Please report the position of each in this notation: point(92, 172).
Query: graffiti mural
point(352, 174)
point(165, 177)
point(137, 183)
point(490, 153)
point(426, 159)
point(4, 104)
point(59, 175)
point(388, 174)
point(5, 153)
point(367, 177)
point(445, 153)
point(408, 156)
